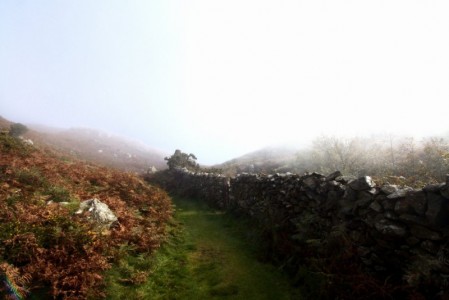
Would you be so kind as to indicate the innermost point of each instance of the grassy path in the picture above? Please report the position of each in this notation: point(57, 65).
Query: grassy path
point(207, 257)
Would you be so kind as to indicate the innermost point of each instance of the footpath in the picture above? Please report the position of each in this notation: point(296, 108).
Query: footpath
point(210, 256)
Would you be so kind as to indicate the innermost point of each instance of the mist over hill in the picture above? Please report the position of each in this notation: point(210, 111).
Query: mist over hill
point(266, 160)
point(96, 146)
point(416, 159)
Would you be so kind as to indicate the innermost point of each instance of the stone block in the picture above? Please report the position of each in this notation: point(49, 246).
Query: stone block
point(437, 210)
point(362, 184)
point(391, 228)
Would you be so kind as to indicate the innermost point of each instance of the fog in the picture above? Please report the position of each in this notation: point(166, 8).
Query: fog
point(223, 78)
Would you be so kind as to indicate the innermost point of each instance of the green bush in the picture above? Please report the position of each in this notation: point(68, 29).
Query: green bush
point(9, 144)
point(31, 177)
point(17, 129)
point(59, 194)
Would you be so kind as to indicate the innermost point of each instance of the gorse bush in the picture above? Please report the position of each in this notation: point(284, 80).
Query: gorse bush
point(59, 194)
point(31, 177)
point(17, 129)
point(17, 147)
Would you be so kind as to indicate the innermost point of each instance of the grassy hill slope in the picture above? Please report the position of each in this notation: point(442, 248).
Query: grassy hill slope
point(45, 248)
point(99, 147)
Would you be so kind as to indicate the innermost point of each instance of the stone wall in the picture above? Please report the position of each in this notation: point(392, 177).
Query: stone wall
point(400, 231)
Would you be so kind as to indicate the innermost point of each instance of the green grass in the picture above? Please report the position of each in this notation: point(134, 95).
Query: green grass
point(208, 256)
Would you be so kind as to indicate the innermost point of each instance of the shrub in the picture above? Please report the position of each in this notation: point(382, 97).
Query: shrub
point(31, 177)
point(59, 194)
point(17, 129)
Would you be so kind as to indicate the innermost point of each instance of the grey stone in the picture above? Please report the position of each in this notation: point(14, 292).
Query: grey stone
point(363, 251)
point(433, 187)
point(411, 241)
point(364, 199)
point(345, 178)
point(400, 193)
point(333, 176)
point(388, 204)
point(437, 210)
point(413, 219)
point(445, 192)
point(373, 191)
point(376, 207)
point(362, 184)
point(346, 207)
point(414, 203)
point(366, 261)
point(422, 232)
point(389, 189)
point(380, 268)
point(391, 215)
point(350, 194)
point(391, 228)
point(310, 182)
point(429, 246)
point(99, 212)
point(332, 183)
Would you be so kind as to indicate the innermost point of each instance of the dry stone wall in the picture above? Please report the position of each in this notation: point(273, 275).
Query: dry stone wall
point(394, 230)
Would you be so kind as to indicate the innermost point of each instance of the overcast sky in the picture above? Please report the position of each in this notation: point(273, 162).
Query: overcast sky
point(222, 78)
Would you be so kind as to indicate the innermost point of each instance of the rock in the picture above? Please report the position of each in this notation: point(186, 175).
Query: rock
point(376, 207)
point(391, 215)
point(373, 191)
point(345, 178)
point(28, 142)
point(333, 176)
point(309, 182)
point(99, 212)
point(421, 232)
point(430, 247)
point(400, 193)
point(433, 188)
point(364, 199)
point(389, 189)
point(346, 207)
point(350, 194)
point(437, 210)
point(362, 184)
point(332, 183)
point(388, 204)
point(413, 219)
point(445, 192)
point(332, 199)
point(390, 228)
point(411, 241)
point(414, 203)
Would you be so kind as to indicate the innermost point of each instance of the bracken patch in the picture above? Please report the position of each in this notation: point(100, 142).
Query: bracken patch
point(44, 246)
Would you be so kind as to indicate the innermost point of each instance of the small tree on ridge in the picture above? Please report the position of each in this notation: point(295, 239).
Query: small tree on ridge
point(182, 160)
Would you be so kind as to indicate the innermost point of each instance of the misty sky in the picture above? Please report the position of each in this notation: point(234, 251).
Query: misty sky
point(222, 78)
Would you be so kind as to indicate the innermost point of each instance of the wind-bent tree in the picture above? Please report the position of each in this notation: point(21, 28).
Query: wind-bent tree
point(182, 160)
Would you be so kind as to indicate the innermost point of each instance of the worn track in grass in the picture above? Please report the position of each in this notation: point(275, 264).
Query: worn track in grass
point(208, 256)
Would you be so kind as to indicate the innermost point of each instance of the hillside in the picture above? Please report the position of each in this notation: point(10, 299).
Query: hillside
point(4, 123)
point(95, 146)
point(100, 147)
point(49, 250)
point(267, 160)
